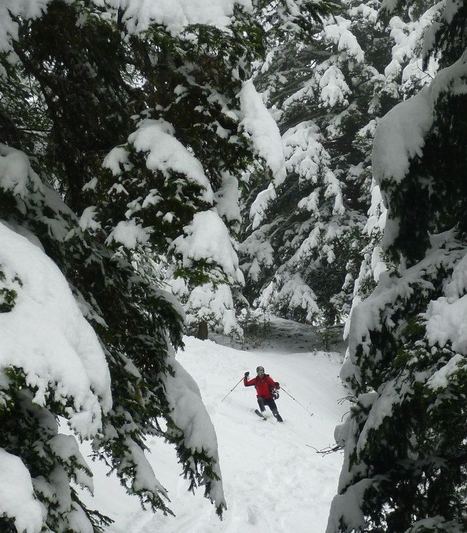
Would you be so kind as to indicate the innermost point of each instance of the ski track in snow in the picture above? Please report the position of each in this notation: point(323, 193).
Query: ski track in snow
point(274, 482)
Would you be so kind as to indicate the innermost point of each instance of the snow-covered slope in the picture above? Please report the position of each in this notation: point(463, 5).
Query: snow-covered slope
point(274, 481)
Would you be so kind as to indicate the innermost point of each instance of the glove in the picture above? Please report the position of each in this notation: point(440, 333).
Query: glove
point(247, 374)
point(277, 385)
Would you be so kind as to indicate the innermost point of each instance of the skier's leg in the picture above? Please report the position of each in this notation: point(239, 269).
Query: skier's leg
point(272, 405)
point(261, 404)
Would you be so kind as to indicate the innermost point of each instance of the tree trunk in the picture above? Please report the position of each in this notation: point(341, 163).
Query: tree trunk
point(202, 332)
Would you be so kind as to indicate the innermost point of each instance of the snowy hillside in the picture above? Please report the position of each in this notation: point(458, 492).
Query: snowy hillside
point(274, 481)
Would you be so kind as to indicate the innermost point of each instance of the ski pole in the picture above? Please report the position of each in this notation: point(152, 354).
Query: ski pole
point(234, 387)
point(295, 400)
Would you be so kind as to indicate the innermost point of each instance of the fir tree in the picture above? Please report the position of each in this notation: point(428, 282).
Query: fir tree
point(405, 463)
point(328, 90)
point(133, 133)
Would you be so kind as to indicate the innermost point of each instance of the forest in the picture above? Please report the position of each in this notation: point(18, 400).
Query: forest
point(185, 168)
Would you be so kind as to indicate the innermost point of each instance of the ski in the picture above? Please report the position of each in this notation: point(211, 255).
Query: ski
point(260, 414)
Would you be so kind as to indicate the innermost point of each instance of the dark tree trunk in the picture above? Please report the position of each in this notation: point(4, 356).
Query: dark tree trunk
point(202, 332)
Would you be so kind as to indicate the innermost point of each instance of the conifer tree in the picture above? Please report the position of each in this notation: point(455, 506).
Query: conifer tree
point(121, 143)
point(405, 462)
point(328, 89)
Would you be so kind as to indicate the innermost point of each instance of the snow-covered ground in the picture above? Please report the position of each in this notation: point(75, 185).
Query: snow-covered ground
point(274, 481)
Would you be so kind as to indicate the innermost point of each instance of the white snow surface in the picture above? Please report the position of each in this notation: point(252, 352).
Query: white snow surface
point(46, 335)
point(274, 481)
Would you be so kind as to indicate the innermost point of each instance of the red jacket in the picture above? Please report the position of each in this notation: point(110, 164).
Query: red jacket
point(264, 385)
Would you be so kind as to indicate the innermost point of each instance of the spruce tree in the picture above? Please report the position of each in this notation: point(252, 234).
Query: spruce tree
point(405, 455)
point(328, 90)
point(122, 137)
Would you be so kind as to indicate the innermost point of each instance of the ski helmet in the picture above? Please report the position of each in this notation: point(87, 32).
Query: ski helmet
point(260, 369)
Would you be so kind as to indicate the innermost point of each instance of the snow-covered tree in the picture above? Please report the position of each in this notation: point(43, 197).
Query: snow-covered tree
point(123, 140)
point(405, 462)
point(328, 90)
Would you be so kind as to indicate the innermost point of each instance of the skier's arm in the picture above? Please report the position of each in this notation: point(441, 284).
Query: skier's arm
point(273, 384)
point(248, 382)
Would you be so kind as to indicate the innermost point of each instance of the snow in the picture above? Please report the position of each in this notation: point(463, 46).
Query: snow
point(340, 34)
point(400, 136)
point(87, 220)
point(115, 160)
point(263, 130)
point(207, 238)
point(10, 10)
point(303, 150)
point(175, 15)
point(259, 206)
point(446, 322)
point(349, 507)
point(291, 293)
point(16, 174)
point(129, 233)
point(440, 379)
point(446, 316)
point(228, 198)
point(213, 303)
point(165, 153)
point(46, 335)
point(190, 414)
point(407, 37)
point(16, 495)
point(273, 480)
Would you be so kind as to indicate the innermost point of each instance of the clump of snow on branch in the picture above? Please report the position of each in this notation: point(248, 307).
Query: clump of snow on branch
point(400, 135)
point(334, 88)
point(339, 34)
point(129, 233)
point(259, 206)
point(259, 252)
point(16, 174)
point(407, 37)
point(16, 495)
point(214, 304)
point(138, 15)
point(175, 15)
point(207, 239)
point(10, 10)
point(227, 199)
point(352, 514)
point(60, 347)
point(289, 293)
point(166, 154)
point(263, 130)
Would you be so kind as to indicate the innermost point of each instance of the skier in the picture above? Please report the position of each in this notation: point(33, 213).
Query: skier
point(266, 391)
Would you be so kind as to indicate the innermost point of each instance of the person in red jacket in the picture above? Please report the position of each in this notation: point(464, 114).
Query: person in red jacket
point(266, 390)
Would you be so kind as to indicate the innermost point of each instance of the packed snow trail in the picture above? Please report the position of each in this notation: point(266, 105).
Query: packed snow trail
point(274, 481)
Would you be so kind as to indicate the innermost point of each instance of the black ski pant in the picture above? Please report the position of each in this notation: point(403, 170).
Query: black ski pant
point(262, 402)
